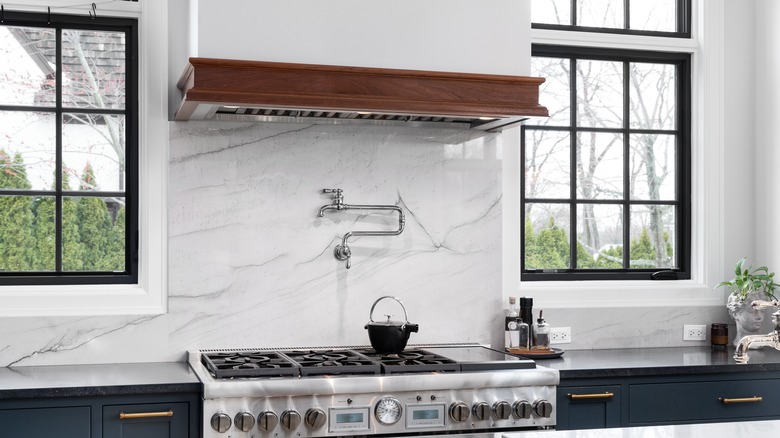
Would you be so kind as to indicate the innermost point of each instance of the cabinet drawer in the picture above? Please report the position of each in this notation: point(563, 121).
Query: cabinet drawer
point(588, 407)
point(62, 422)
point(701, 401)
point(146, 420)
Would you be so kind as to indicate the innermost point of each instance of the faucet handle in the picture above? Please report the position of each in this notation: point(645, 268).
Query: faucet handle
point(338, 199)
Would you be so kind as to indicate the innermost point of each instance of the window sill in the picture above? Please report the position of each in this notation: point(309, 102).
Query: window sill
point(28, 301)
point(601, 294)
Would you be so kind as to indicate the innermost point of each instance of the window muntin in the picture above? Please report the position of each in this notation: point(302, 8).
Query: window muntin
point(615, 175)
point(69, 125)
point(652, 17)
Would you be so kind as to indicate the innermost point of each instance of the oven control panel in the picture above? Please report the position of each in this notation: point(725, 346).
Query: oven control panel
point(363, 414)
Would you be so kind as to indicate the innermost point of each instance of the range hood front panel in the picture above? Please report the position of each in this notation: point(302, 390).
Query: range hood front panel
point(210, 84)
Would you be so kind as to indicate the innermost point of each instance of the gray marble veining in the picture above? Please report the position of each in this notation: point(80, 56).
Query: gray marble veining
point(251, 264)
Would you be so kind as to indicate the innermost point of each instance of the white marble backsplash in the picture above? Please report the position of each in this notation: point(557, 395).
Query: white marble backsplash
point(251, 264)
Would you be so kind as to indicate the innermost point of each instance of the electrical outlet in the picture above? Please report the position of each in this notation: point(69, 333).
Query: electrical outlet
point(560, 335)
point(694, 333)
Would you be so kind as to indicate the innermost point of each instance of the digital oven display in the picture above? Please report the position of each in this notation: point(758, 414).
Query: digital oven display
point(348, 419)
point(420, 416)
point(353, 417)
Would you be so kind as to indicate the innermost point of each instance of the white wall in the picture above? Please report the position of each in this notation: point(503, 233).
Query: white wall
point(486, 36)
point(764, 169)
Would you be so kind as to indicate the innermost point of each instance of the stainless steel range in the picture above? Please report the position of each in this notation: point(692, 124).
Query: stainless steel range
point(353, 391)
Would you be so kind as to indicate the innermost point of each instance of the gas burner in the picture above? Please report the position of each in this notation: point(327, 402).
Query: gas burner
point(332, 362)
point(326, 356)
point(413, 361)
point(248, 364)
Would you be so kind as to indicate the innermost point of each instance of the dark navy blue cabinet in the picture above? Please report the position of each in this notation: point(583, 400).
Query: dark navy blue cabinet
point(146, 420)
point(667, 399)
point(588, 407)
point(120, 416)
point(29, 422)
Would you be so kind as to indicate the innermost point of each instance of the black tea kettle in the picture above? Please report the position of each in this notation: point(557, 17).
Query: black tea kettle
point(389, 337)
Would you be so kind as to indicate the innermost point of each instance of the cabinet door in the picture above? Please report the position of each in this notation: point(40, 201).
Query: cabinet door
point(64, 422)
point(588, 407)
point(146, 420)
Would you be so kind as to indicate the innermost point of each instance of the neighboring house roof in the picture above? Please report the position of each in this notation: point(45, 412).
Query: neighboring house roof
point(93, 66)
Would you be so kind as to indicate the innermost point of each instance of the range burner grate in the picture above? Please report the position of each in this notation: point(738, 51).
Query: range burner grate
point(413, 361)
point(249, 364)
point(332, 362)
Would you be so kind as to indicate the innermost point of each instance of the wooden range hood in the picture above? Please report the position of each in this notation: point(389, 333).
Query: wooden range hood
point(222, 89)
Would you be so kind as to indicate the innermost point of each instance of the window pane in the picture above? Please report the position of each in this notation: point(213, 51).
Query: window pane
point(652, 96)
point(599, 236)
point(555, 91)
point(653, 166)
point(546, 236)
point(599, 165)
point(93, 234)
point(43, 233)
point(27, 150)
point(94, 152)
point(551, 11)
point(17, 239)
point(27, 67)
point(652, 236)
point(657, 15)
point(547, 164)
point(599, 94)
point(93, 65)
point(601, 13)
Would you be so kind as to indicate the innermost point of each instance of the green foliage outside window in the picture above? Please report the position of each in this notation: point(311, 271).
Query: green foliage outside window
point(93, 239)
point(549, 249)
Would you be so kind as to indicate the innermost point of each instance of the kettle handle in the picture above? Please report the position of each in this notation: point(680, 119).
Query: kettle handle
point(371, 314)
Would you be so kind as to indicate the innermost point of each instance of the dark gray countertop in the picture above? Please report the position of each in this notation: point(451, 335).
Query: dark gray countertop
point(630, 362)
point(97, 380)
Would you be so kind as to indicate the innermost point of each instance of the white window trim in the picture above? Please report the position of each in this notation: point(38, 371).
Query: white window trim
point(707, 135)
point(150, 295)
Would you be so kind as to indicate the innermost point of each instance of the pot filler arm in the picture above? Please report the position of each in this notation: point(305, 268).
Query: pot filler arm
point(342, 251)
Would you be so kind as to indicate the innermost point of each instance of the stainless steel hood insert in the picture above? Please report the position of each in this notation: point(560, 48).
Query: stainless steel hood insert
point(222, 89)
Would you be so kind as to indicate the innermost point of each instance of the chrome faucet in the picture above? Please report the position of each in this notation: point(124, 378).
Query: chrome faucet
point(342, 252)
point(768, 340)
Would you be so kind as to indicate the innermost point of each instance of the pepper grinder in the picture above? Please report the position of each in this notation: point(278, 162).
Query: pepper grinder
point(527, 314)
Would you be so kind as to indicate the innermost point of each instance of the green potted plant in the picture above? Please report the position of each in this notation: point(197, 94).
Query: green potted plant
point(751, 280)
point(749, 284)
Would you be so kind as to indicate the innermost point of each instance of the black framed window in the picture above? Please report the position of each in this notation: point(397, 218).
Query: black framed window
point(606, 181)
point(68, 149)
point(670, 18)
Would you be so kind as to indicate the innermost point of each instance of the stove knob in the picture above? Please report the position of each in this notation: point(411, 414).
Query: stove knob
point(267, 421)
point(502, 410)
point(459, 411)
point(481, 410)
point(522, 409)
point(244, 421)
point(290, 420)
point(220, 422)
point(315, 418)
point(543, 408)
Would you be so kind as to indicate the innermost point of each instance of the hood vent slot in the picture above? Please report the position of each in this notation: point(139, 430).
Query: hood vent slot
point(218, 89)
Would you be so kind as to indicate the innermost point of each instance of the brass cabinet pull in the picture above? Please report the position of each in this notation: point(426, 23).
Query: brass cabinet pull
point(590, 396)
point(123, 416)
point(754, 399)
